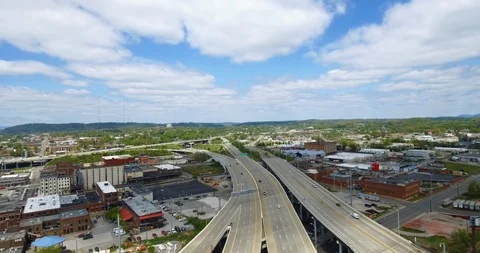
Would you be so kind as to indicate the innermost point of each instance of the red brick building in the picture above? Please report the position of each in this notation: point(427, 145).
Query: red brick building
point(141, 214)
point(118, 160)
point(108, 194)
point(327, 146)
point(10, 217)
point(392, 187)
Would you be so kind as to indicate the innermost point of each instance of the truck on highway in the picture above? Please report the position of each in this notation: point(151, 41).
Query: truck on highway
point(460, 203)
point(477, 206)
point(466, 204)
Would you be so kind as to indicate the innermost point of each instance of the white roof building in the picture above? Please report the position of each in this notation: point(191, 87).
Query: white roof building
point(38, 204)
point(167, 167)
point(106, 187)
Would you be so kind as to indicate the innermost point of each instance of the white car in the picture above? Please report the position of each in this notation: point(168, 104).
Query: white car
point(356, 215)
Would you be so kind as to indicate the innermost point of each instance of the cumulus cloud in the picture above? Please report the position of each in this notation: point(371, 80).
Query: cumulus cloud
point(417, 33)
point(76, 91)
point(75, 83)
point(59, 29)
point(30, 68)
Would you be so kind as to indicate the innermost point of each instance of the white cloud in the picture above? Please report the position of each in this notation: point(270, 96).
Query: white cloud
point(219, 28)
point(59, 29)
point(76, 91)
point(29, 68)
point(75, 83)
point(417, 33)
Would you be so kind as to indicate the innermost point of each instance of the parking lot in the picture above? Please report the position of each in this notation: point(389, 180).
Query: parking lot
point(104, 238)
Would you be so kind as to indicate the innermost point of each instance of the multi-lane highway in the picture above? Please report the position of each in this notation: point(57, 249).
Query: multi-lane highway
point(361, 235)
point(284, 231)
point(242, 214)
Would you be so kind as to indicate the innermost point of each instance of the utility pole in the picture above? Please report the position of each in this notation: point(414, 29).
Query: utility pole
point(315, 231)
point(119, 234)
point(431, 191)
point(398, 221)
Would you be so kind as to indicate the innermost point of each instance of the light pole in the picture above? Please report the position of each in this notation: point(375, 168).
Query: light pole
point(398, 221)
point(315, 230)
point(339, 246)
point(431, 189)
point(442, 245)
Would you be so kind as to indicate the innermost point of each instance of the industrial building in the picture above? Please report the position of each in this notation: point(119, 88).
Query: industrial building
point(375, 151)
point(396, 187)
point(14, 180)
point(467, 158)
point(417, 154)
point(346, 157)
point(41, 206)
point(141, 214)
point(141, 173)
point(328, 147)
point(451, 150)
point(89, 176)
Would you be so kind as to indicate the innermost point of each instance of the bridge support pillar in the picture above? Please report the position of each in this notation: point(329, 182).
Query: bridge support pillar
point(301, 212)
point(322, 233)
point(339, 246)
point(315, 232)
point(16, 165)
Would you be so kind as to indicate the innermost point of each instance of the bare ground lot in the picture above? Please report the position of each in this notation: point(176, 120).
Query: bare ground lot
point(436, 224)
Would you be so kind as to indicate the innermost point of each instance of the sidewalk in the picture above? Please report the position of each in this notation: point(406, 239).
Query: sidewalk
point(412, 233)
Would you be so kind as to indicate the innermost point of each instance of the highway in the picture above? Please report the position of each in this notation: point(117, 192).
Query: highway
point(361, 235)
point(39, 158)
point(242, 211)
point(413, 210)
point(284, 231)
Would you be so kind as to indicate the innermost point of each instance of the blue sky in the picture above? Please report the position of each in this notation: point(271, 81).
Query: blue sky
point(218, 61)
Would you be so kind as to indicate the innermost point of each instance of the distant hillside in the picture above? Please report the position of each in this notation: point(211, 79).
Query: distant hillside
point(469, 115)
point(69, 127)
point(74, 127)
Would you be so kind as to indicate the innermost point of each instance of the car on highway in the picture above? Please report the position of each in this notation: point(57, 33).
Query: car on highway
point(314, 186)
point(356, 215)
point(264, 193)
point(241, 173)
point(278, 206)
point(338, 204)
point(259, 181)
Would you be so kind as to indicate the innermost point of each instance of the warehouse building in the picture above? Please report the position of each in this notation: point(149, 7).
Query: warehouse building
point(396, 187)
point(89, 176)
point(14, 180)
point(328, 147)
point(348, 157)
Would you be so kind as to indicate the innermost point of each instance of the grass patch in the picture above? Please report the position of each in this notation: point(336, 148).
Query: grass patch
point(411, 230)
point(415, 198)
point(171, 146)
point(183, 237)
point(431, 243)
point(204, 169)
point(471, 169)
point(217, 148)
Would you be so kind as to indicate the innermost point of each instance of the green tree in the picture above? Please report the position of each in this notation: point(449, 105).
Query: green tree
point(460, 241)
point(474, 189)
point(151, 249)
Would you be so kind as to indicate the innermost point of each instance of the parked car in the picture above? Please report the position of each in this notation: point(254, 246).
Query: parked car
point(154, 235)
point(139, 238)
point(90, 250)
point(97, 249)
point(87, 236)
point(164, 232)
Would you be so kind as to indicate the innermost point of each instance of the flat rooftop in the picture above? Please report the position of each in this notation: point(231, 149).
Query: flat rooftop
point(72, 200)
point(92, 197)
point(139, 189)
point(392, 180)
point(348, 156)
point(16, 175)
point(141, 206)
point(38, 220)
point(106, 187)
point(73, 213)
point(116, 157)
point(44, 203)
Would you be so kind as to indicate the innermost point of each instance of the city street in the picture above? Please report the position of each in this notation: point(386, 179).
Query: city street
point(413, 210)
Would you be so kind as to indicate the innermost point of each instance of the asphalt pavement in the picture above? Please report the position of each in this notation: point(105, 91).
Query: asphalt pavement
point(413, 210)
